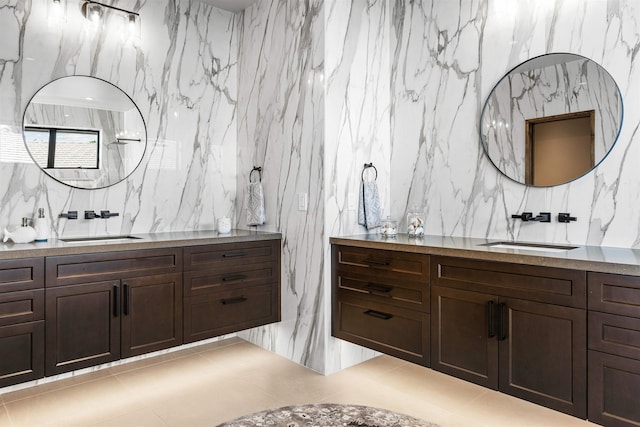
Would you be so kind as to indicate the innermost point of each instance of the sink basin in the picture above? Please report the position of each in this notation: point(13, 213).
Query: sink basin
point(542, 247)
point(98, 239)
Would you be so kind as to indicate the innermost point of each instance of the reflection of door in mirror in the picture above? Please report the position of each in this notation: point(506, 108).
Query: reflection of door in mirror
point(559, 148)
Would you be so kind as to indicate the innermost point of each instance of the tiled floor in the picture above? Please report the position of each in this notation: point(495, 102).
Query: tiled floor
point(206, 385)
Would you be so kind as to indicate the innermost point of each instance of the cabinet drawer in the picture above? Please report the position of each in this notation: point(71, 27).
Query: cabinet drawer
point(385, 290)
point(543, 284)
point(203, 281)
point(73, 269)
point(381, 263)
point(219, 313)
point(231, 254)
point(393, 330)
point(614, 293)
point(21, 274)
point(21, 353)
point(614, 387)
point(19, 307)
point(614, 334)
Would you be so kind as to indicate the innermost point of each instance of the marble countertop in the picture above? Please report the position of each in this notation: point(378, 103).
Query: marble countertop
point(592, 258)
point(54, 246)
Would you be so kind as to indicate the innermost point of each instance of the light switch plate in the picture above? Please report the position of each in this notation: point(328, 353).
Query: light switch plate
point(302, 201)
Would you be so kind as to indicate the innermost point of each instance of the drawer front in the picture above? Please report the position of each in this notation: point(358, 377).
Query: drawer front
point(21, 353)
point(211, 315)
point(229, 277)
point(393, 330)
point(542, 284)
point(21, 274)
point(231, 254)
point(614, 387)
point(614, 334)
point(385, 290)
point(381, 263)
point(73, 269)
point(20, 307)
point(614, 293)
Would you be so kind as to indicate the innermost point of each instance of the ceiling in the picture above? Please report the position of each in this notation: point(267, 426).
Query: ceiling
point(231, 5)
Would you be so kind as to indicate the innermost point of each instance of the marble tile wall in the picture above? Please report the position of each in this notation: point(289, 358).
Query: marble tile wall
point(182, 75)
point(313, 108)
point(446, 59)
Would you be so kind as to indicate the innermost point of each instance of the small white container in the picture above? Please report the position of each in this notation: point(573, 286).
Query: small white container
point(24, 234)
point(224, 225)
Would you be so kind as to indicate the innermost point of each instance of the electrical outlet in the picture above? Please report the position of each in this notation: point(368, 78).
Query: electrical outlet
point(302, 201)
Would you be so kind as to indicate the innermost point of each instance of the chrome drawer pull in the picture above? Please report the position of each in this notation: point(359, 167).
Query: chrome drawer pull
point(233, 278)
point(234, 254)
point(235, 300)
point(378, 288)
point(378, 314)
point(376, 262)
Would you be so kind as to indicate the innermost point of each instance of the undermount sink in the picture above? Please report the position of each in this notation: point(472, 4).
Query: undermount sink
point(98, 239)
point(542, 247)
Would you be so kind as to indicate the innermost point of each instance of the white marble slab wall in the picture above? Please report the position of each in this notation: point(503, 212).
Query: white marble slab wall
point(357, 123)
point(281, 129)
point(183, 77)
point(446, 59)
point(313, 108)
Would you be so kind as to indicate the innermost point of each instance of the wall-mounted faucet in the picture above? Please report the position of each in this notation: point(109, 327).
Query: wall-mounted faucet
point(102, 214)
point(69, 215)
point(528, 216)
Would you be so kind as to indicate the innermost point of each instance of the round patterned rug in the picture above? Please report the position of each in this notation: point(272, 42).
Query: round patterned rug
point(327, 415)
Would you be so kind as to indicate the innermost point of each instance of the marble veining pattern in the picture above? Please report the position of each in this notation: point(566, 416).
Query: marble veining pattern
point(447, 57)
point(182, 76)
point(280, 128)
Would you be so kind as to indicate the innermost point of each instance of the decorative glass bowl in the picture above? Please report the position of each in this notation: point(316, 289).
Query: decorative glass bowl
point(388, 228)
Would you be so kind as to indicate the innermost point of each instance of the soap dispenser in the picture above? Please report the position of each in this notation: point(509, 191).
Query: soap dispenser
point(43, 230)
point(24, 234)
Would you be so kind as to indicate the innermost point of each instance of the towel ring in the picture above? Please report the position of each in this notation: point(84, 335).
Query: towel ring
point(367, 166)
point(255, 168)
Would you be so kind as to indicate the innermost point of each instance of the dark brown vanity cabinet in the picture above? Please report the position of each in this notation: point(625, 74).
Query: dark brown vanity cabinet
point(515, 328)
point(380, 300)
point(614, 349)
point(21, 320)
point(102, 307)
point(230, 287)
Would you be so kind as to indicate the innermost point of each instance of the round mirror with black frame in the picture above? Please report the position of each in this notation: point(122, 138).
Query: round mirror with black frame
point(84, 132)
point(551, 119)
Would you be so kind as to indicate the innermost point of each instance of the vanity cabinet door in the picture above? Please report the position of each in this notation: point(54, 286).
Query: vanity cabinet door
point(543, 354)
point(21, 352)
point(151, 317)
point(463, 330)
point(83, 326)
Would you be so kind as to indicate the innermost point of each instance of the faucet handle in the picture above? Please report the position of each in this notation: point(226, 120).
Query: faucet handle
point(525, 216)
point(69, 215)
point(90, 215)
point(566, 217)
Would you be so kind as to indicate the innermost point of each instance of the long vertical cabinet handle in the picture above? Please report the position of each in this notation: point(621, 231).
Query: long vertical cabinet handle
point(492, 326)
point(116, 300)
point(502, 322)
point(127, 297)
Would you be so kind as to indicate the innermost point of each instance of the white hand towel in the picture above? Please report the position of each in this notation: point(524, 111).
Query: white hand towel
point(255, 204)
point(369, 213)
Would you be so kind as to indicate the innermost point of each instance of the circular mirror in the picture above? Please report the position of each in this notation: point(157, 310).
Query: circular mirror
point(84, 132)
point(551, 119)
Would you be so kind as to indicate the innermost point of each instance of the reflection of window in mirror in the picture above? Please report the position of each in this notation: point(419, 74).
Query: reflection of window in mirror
point(559, 148)
point(54, 148)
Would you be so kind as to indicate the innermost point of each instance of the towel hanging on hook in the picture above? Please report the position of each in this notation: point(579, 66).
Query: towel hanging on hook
point(255, 199)
point(369, 212)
